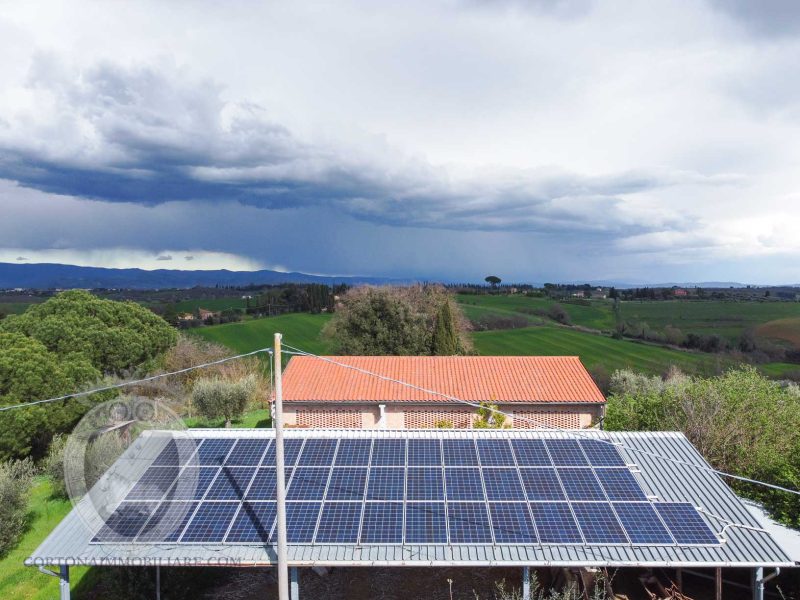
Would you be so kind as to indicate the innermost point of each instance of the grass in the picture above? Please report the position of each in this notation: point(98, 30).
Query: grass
point(594, 350)
point(596, 314)
point(16, 308)
point(726, 318)
point(299, 329)
point(27, 583)
point(252, 419)
point(786, 330)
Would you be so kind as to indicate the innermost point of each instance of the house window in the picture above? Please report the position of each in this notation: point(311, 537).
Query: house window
point(329, 418)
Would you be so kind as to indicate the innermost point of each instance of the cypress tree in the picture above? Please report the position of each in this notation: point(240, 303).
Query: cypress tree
point(445, 337)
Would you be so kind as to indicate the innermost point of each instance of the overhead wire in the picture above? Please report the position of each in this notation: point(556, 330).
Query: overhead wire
point(573, 432)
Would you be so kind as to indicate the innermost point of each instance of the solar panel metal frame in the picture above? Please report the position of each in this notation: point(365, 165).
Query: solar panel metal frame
point(452, 537)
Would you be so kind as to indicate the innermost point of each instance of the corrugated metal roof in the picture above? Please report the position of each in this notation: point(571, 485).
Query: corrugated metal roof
point(472, 378)
point(69, 543)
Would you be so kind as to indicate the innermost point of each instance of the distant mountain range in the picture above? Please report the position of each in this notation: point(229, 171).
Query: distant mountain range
point(54, 276)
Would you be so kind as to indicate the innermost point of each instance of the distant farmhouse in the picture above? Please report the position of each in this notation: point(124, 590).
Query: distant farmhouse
point(538, 391)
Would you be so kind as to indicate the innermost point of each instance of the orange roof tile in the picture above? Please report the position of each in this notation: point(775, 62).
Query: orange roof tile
point(473, 378)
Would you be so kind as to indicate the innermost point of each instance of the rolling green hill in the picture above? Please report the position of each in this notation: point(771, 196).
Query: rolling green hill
point(299, 329)
point(594, 350)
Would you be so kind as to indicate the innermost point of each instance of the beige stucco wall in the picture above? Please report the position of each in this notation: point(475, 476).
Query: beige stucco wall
point(399, 416)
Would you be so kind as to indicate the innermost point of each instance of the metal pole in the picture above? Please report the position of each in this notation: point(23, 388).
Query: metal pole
point(526, 583)
point(158, 582)
point(758, 584)
point(280, 487)
point(718, 584)
point(63, 584)
point(295, 584)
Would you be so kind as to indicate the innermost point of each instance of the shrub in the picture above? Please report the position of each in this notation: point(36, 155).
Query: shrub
point(488, 417)
point(54, 465)
point(741, 422)
point(559, 314)
point(217, 398)
point(16, 479)
point(99, 455)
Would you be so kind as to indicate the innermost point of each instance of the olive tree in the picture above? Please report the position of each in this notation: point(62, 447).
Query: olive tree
point(216, 398)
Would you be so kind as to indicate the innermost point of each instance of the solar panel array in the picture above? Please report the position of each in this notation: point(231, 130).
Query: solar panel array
point(398, 491)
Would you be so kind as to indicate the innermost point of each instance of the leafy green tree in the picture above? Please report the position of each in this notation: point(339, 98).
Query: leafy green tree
point(445, 336)
point(114, 336)
point(741, 422)
point(375, 321)
point(218, 398)
point(487, 417)
point(394, 321)
point(28, 371)
point(493, 280)
point(16, 479)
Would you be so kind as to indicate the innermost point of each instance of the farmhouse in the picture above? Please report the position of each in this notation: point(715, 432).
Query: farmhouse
point(341, 391)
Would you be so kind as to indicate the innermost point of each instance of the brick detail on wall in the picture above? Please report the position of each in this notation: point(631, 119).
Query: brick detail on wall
point(428, 418)
point(329, 417)
point(546, 418)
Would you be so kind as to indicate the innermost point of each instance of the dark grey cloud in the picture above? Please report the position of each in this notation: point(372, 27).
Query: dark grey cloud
point(190, 257)
point(145, 136)
point(22, 258)
point(769, 18)
point(164, 257)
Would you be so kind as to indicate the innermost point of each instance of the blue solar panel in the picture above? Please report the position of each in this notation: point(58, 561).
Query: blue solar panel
point(424, 484)
point(339, 523)
point(308, 483)
point(386, 453)
point(301, 521)
point(602, 454)
point(495, 453)
point(555, 523)
point(125, 522)
point(531, 453)
point(210, 522)
point(192, 483)
point(263, 485)
point(383, 523)
point(291, 450)
point(353, 453)
point(642, 523)
point(566, 453)
point(512, 523)
point(581, 484)
point(213, 452)
point(231, 483)
point(247, 453)
point(318, 453)
point(599, 523)
point(620, 485)
point(464, 483)
point(459, 453)
point(167, 522)
point(425, 523)
point(542, 484)
point(685, 523)
point(386, 483)
point(153, 484)
point(469, 523)
point(424, 453)
point(253, 523)
point(177, 452)
point(503, 484)
point(347, 483)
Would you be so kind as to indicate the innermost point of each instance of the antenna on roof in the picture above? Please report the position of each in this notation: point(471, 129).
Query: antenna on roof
point(280, 487)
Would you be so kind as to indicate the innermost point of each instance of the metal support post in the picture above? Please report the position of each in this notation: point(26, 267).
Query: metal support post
point(280, 487)
point(526, 583)
point(295, 584)
point(158, 582)
point(63, 584)
point(718, 584)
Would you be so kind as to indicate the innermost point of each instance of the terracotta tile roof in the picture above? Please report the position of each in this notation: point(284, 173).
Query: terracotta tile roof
point(474, 378)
